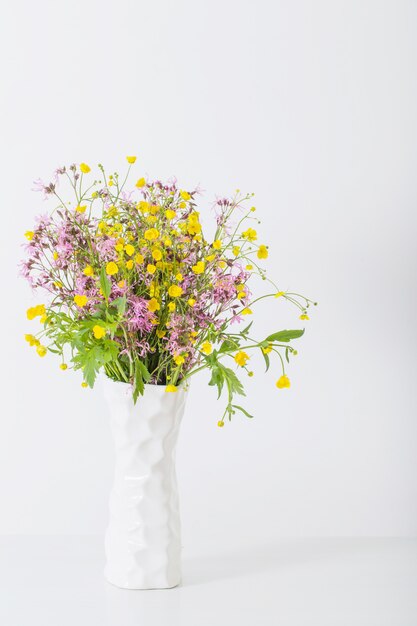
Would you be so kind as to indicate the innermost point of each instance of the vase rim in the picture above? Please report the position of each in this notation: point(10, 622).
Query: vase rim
point(153, 385)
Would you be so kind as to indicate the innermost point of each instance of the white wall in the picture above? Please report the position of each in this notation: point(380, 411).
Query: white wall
point(312, 105)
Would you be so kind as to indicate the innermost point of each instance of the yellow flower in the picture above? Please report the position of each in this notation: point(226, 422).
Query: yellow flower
point(247, 311)
point(182, 205)
point(29, 234)
point(304, 316)
point(153, 305)
point(121, 284)
point(174, 291)
point(81, 209)
point(129, 249)
point(172, 306)
point(110, 183)
point(179, 276)
point(63, 366)
point(129, 264)
point(236, 250)
point(80, 300)
point(241, 358)
point(131, 159)
point(32, 341)
point(85, 168)
point(210, 257)
point(41, 350)
point(111, 268)
point(199, 267)
point(191, 302)
point(240, 287)
point(34, 311)
point(151, 234)
point(167, 242)
point(250, 234)
point(171, 389)
point(185, 195)
point(98, 331)
point(222, 264)
point(217, 244)
point(43, 319)
point(139, 258)
point(118, 247)
point(179, 359)
point(253, 209)
point(241, 295)
point(143, 206)
point(55, 255)
point(262, 252)
point(283, 382)
point(279, 294)
point(220, 424)
point(141, 183)
point(157, 254)
point(88, 271)
point(207, 348)
point(161, 333)
point(150, 268)
point(84, 385)
point(170, 214)
point(249, 267)
point(267, 350)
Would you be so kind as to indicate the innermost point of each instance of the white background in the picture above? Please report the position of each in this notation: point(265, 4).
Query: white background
point(312, 105)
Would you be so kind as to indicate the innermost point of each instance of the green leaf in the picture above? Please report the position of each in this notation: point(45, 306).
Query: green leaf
point(284, 335)
point(105, 283)
point(141, 376)
point(266, 358)
point(240, 408)
point(120, 304)
point(217, 378)
point(245, 331)
point(232, 380)
point(229, 345)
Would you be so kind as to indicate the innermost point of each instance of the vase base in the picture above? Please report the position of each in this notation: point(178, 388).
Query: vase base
point(141, 587)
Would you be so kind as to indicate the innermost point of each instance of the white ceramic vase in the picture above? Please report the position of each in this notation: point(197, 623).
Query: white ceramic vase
point(143, 542)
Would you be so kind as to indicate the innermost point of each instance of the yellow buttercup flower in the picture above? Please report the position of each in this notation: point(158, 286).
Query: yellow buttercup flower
point(41, 350)
point(139, 258)
point(121, 284)
point(217, 244)
point(304, 316)
point(98, 331)
point(182, 205)
point(172, 306)
point(174, 291)
point(151, 234)
point(241, 295)
point(241, 358)
point(85, 168)
point(249, 267)
point(185, 195)
point(222, 264)
point(129, 264)
point(179, 277)
point(157, 254)
point(141, 183)
point(206, 347)
point(111, 268)
point(32, 341)
point(118, 247)
point(150, 268)
point(161, 333)
point(199, 267)
point(236, 250)
point(153, 305)
point(267, 350)
point(179, 359)
point(283, 382)
point(171, 389)
point(247, 311)
point(88, 271)
point(43, 319)
point(250, 234)
point(167, 242)
point(55, 255)
point(262, 252)
point(191, 302)
point(220, 424)
point(63, 366)
point(35, 311)
point(170, 214)
point(210, 257)
point(110, 183)
point(131, 159)
point(80, 300)
point(84, 385)
point(81, 209)
point(129, 249)
point(279, 294)
point(29, 234)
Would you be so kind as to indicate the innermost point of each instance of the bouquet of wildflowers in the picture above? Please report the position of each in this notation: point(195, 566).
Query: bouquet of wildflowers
point(136, 289)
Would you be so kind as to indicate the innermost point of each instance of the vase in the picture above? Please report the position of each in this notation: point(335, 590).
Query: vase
point(143, 542)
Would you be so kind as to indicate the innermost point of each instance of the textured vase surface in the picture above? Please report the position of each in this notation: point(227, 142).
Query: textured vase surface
point(143, 539)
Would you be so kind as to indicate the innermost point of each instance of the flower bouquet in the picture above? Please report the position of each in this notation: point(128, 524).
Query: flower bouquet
point(138, 292)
